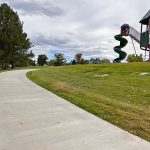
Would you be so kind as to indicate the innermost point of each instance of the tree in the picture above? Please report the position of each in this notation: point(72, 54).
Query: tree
point(78, 58)
point(135, 58)
point(95, 60)
point(59, 59)
point(84, 61)
point(99, 61)
point(73, 62)
point(25, 59)
point(51, 62)
point(1, 56)
point(42, 60)
point(13, 41)
point(104, 61)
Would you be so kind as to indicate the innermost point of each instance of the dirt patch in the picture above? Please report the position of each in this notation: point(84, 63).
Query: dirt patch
point(63, 86)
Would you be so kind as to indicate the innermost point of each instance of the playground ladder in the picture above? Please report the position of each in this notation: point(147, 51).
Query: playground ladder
point(147, 56)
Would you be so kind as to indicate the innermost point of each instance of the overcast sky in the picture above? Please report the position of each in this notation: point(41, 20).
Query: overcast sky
point(72, 26)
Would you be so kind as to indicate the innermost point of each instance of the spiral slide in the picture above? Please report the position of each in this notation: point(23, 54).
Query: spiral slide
point(117, 49)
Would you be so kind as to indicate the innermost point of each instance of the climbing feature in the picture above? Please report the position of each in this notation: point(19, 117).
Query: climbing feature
point(117, 49)
point(142, 38)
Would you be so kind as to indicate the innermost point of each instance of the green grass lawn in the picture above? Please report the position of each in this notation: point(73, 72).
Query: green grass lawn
point(113, 92)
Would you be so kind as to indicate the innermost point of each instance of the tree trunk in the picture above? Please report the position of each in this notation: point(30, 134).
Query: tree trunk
point(12, 63)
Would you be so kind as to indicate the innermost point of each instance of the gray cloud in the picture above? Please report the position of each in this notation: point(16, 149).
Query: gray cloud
point(34, 7)
point(55, 41)
point(50, 40)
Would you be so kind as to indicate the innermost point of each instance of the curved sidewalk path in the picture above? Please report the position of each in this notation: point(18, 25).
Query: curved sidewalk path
point(32, 118)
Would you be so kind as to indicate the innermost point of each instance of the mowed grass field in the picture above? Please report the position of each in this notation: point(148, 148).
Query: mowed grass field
point(113, 92)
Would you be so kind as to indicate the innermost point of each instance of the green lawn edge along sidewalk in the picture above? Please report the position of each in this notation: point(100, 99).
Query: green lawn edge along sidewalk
point(117, 93)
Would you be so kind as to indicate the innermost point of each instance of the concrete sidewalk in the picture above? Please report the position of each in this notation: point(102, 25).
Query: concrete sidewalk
point(32, 118)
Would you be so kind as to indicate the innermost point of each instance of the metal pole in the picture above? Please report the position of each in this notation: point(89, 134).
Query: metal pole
point(140, 35)
point(133, 46)
point(99, 51)
point(145, 56)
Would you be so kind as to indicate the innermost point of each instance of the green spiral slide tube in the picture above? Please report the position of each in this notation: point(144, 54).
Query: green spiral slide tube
point(117, 49)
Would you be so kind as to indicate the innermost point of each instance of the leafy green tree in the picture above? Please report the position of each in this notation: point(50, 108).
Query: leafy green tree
point(1, 56)
point(99, 61)
point(84, 61)
point(51, 62)
point(135, 58)
point(104, 61)
point(73, 62)
point(95, 60)
point(13, 41)
point(59, 59)
point(78, 58)
point(42, 60)
point(25, 59)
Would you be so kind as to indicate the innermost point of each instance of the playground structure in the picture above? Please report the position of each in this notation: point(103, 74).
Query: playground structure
point(143, 38)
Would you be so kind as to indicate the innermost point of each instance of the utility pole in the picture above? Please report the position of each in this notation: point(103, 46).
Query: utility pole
point(99, 48)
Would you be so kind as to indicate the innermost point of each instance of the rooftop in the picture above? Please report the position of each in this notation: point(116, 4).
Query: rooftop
point(145, 19)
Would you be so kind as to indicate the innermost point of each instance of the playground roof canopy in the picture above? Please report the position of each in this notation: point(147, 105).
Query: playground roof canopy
point(145, 19)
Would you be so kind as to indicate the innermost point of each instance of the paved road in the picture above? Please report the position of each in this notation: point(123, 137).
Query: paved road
point(31, 118)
